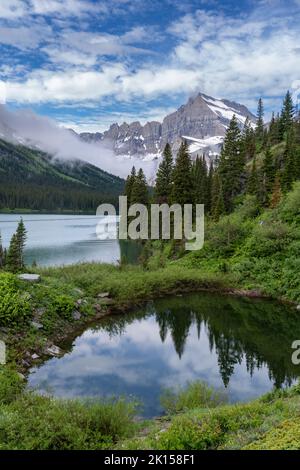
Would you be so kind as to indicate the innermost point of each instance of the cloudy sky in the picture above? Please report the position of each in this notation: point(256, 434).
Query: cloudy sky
point(88, 63)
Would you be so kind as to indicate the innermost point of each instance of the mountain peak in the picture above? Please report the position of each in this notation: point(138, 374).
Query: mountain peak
point(203, 121)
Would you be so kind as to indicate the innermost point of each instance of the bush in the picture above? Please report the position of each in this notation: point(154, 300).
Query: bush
point(290, 207)
point(63, 306)
point(14, 305)
point(196, 395)
point(286, 436)
point(268, 238)
point(41, 423)
point(11, 385)
point(214, 430)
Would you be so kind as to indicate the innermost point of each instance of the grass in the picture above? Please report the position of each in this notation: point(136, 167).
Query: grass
point(130, 284)
point(269, 422)
point(195, 395)
point(32, 422)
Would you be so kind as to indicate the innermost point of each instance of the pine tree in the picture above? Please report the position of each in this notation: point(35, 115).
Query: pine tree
point(13, 255)
point(289, 170)
point(268, 170)
point(259, 130)
point(209, 187)
point(276, 193)
point(163, 186)
point(231, 166)
point(273, 135)
point(14, 259)
point(139, 192)
point(21, 235)
point(129, 184)
point(287, 115)
point(199, 171)
point(217, 201)
point(248, 140)
point(253, 182)
point(183, 187)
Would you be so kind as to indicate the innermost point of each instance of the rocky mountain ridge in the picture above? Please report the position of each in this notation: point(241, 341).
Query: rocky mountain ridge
point(202, 121)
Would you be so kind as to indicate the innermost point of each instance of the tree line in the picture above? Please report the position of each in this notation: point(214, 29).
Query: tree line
point(261, 160)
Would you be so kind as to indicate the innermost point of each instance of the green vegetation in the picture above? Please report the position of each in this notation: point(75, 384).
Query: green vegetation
point(195, 395)
point(252, 198)
point(259, 249)
point(32, 422)
point(271, 422)
point(33, 180)
point(14, 304)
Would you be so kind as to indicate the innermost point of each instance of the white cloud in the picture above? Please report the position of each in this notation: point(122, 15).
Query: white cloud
point(65, 7)
point(11, 9)
point(101, 122)
point(239, 57)
point(112, 79)
point(46, 135)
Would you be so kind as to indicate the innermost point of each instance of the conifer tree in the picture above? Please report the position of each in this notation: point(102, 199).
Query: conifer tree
point(13, 255)
point(248, 140)
point(21, 235)
point(276, 193)
point(199, 170)
point(183, 187)
point(273, 135)
point(129, 184)
point(259, 130)
point(287, 115)
point(289, 169)
point(268, 170)
point(163, 186)
point(217, 201)
point(231, 166)
point(14, 259)
point(209, 187)
point(139, 192)
point(253, 182)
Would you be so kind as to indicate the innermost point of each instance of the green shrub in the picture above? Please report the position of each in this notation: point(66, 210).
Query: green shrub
point(286, 436)
point(11, 385)
point(41, 423)
point(290, 207)
point(213, 430)
point(63, 306)
point(196, 395)
point(14, 304)
point(268, 238)
point(191, 433)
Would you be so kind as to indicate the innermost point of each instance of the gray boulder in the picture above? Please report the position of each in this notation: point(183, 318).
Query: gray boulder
point(36, 325)
point(53, 350)
point(76, 315)
point(29, 277)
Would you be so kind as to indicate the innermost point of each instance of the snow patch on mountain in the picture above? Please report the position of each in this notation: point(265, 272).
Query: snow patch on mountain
point(220, 108)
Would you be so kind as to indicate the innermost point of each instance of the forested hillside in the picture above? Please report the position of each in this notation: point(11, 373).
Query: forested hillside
point(252, 204)
point(30, 179)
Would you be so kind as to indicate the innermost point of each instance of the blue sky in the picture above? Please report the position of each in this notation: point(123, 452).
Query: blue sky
point(89, 63)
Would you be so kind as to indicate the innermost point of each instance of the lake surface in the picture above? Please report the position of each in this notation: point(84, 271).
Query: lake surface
point(54, 240)
point(241, 345)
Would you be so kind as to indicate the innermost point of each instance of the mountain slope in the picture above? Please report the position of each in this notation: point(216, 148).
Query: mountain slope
point(33, 180)
point(200, 120)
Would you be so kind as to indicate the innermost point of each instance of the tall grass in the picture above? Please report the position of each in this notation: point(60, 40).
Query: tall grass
point(196, 395)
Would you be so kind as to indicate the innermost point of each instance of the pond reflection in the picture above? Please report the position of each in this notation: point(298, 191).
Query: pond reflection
point(241, 344)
